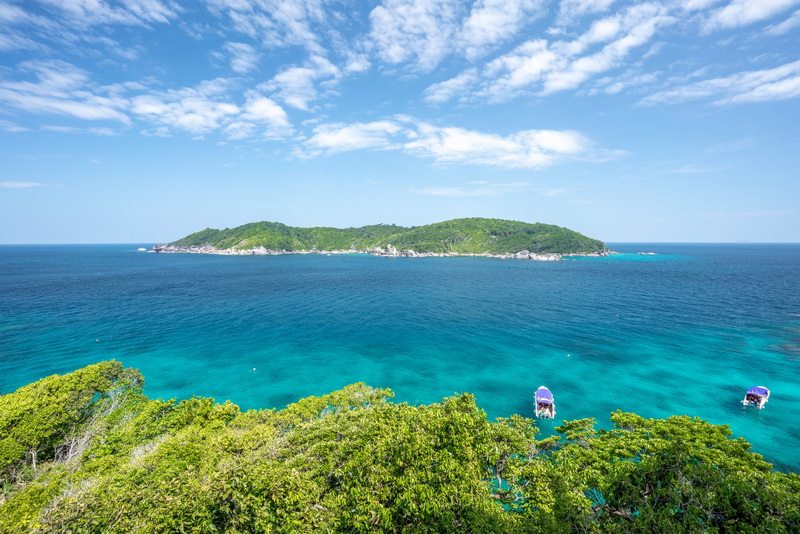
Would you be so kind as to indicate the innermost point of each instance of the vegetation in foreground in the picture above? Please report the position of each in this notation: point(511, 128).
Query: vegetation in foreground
point(89, 452)
point(462, 236)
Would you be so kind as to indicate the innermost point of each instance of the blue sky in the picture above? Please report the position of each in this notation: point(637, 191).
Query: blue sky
point(146, 120)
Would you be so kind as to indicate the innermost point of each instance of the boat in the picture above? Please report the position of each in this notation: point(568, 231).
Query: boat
point(756, 396)
point(544, 403)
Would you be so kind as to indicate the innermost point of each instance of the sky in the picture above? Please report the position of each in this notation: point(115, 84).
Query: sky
point(142, 121)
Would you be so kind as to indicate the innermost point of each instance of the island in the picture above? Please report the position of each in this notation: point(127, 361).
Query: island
point(474, 236)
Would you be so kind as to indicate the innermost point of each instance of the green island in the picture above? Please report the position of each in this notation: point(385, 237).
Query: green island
point(90, 452)
point(470, 236)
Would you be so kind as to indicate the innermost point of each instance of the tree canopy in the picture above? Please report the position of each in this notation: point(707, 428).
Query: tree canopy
point(109, 459)
point(464, 236)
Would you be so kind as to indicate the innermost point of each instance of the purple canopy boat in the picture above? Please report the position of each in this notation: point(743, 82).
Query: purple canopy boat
point(756, 396)
point(545, 404)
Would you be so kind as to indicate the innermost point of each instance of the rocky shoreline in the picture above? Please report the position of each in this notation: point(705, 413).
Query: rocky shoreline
point(376, 251)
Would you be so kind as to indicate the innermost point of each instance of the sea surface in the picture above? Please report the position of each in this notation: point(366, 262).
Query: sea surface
point(684, 331)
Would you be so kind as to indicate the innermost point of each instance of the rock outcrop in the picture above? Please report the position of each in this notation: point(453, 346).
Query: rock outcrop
point(390, 251)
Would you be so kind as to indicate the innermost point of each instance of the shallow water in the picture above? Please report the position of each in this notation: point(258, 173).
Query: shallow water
point(685, 331)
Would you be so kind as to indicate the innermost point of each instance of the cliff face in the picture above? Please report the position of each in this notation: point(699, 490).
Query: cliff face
point(471, 237)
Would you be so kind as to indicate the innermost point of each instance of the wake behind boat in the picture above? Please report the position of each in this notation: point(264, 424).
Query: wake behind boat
point(756, 397)
point(544, 403)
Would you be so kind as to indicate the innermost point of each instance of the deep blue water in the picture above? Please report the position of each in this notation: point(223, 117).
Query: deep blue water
point(685, 331)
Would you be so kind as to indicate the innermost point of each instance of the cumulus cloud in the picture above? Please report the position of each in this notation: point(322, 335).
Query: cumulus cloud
point(528, 149)
point(750, 86)
point(243, 57)
point(491, 22)
point(332, 138)
point(209, 107)
point(418, 31)
point(197, 110)
point(298, 86)
point(260, 108)
point(446, 90)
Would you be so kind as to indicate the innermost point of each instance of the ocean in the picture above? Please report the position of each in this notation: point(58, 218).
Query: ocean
point(685, 330)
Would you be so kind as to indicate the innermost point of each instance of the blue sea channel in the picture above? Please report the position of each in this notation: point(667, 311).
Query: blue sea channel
point(685, 330)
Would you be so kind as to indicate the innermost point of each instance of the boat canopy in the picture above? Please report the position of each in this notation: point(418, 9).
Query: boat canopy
point(544, 395)
point(758, 390)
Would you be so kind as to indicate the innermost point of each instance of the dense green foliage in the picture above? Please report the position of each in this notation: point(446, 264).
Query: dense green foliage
point(352, 461)
point(464, 236)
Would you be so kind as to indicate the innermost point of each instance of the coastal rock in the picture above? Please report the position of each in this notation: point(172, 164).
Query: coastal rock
point(390, 251)
point(545, 257)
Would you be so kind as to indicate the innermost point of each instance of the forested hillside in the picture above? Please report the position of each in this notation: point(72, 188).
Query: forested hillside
point(89, 452)
point(463, 236)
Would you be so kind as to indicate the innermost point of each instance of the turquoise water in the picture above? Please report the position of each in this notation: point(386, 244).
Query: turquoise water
point(685, 331)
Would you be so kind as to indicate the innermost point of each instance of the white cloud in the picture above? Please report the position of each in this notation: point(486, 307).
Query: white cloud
point(131, 12)
point(614, 86)
point(197, 110)
point(62, 89)
point(754, 86)
point(525, 66)
point(264, 112)
point(542, 68)
point(570, 10)
point(243, 57)
point(422, 33)
point(744, 12)
point(474, 189)
point(277, 24)
point(22, 185)
point(239, 130)
point(73, 130)
point(263, 109)
point(635, 28)
point(785, 26)
point(495, 21)
point(446, 90)
point(296, 86)
point(9, 126)
point(528, 149)
point(417, 31)
point(13, 40)
point(332, 138)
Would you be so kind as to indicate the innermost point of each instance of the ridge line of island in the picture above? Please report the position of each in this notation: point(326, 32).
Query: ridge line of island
point(391, 251)
point(466, 237)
